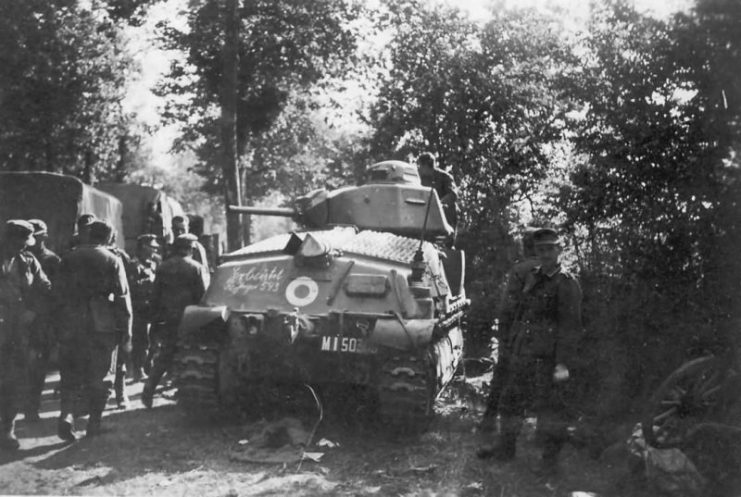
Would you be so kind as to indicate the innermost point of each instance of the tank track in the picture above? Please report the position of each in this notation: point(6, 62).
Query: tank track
point(406, 391)
point(197, 376)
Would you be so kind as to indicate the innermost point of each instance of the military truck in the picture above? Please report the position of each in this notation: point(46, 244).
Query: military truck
point(58, 200)
point(366, 296)
point(146, 210)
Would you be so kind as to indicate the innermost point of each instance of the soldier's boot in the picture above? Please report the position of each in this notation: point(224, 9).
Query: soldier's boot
point(66, 427)
point(488, 422)
point(148, 394)
point(97, 406)
point(119, 385)
point(547, 466)
point(505, 444)
point(8, 441)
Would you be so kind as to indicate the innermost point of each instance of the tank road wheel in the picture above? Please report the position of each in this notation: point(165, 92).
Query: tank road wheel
point(197, 366)
point(686, 398)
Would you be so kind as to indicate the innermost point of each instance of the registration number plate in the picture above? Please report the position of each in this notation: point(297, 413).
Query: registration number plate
point(347, 344)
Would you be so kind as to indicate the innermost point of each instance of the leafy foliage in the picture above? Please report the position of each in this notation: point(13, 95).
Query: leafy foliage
point(487, 102)
point(64, 69)
point(285, 48)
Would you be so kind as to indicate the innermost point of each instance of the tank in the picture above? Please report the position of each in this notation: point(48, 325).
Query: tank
point(367, 296)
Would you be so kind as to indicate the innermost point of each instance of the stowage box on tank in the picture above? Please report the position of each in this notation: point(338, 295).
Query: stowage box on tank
point(365, 296)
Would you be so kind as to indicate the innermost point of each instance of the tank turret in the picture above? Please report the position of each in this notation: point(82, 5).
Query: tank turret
point(392, 200)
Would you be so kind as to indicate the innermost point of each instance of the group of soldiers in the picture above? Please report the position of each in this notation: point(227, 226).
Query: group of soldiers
point(102, 309)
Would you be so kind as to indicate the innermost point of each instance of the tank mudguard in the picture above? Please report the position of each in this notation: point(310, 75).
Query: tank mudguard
point(196, 317)
point(402, 334)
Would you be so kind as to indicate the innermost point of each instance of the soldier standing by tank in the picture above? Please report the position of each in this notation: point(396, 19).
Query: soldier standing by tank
point(442, 182)
point(96, 318)
point(542, 342)
point(43, 335)
point(22, 286)
point(508, 311)
point(180, 226)
point(180, 281)
point(141, 282)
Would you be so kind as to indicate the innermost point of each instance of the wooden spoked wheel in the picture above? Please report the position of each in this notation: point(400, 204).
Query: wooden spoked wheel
point(689, 396)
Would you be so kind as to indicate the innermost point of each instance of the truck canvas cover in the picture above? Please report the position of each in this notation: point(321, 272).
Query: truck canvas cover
point(58, 200)
point(146, 210)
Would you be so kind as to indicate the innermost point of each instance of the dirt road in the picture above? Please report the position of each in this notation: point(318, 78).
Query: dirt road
point(164, 452)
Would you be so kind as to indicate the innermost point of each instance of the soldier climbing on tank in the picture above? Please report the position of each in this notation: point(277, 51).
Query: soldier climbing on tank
point(22, 285)
point(542, 345)
point(442, 182)
point(179, 282)
point(95, 319)
point(43, 334)
point(508, 310)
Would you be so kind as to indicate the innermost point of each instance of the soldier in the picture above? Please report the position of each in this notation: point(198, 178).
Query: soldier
point(542, 344)
point(442, 182)
point(141, 282)
point(22, 284)
point(83, 230)
point(43, 335)
point(122, 356)
point(180, 226)
point(508, 311)
point(180, 281)
point(96, 317)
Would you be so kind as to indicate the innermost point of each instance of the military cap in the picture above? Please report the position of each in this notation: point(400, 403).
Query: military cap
point(86, 220)
point(546, 236)
point(148, 239)
point(185, 240)
point(100, 232)
point(39, 227)
point(18, 228)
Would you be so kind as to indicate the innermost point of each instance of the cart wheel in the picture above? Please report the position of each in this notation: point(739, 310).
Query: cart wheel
point(687, 397)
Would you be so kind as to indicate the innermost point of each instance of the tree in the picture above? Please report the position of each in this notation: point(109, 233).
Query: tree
point(651, 201)
point(285, 47)
point(64, 69)
point(487, 101)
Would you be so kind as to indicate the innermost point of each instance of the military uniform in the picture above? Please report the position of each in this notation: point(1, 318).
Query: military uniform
point(43, 334)
point(444, 185)
point(96, 317)
point(541, 343)
point(23, 285)
point(141, 282)
point(507, 311)
point(180, 281)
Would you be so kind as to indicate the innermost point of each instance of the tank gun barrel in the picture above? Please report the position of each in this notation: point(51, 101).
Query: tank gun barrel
point(263, 211)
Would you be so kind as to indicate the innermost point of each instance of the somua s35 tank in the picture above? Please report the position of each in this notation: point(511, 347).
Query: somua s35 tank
point(366, 296)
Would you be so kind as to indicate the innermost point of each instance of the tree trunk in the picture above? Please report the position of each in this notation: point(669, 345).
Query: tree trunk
point(232, 190)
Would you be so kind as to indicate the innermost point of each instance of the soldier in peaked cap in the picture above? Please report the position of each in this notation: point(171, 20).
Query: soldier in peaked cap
point(180, 281)
point(23, 285)
point(43, 336)
point(96, 317)
point(84, 222)
point(542, 344)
